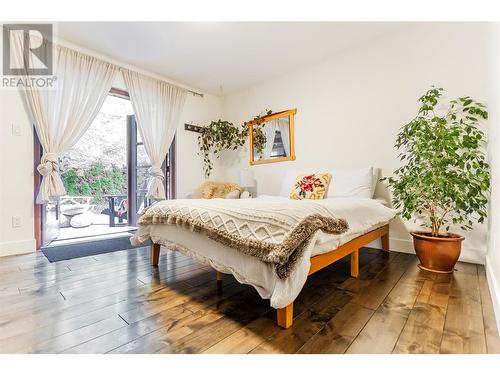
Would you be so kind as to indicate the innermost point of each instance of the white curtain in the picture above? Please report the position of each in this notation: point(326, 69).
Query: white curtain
point(62, 114)
point(270, 128)
point(284, 128)
point(157, 107)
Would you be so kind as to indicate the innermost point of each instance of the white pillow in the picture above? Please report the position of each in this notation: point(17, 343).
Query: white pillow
point(288, 182)
point(355, 183)
point(375, 179)
point(235, 194)
point(245, 195)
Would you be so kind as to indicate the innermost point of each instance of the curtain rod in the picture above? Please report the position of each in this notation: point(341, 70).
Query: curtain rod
point(194, 93)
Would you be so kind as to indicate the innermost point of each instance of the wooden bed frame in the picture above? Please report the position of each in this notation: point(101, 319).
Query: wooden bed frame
point(318, 262)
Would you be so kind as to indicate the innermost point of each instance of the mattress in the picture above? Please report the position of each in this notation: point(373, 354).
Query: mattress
point(363, 215)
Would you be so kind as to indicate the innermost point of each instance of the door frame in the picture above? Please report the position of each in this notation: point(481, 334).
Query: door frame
point(37, 179)
point(170, 183)
point(168, 168)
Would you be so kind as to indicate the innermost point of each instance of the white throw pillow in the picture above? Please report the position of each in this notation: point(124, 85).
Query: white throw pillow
point(288, 182)
point(245, 195)
point(82, 220)
point(375, 179)
point(235, 194)
point(356, 183)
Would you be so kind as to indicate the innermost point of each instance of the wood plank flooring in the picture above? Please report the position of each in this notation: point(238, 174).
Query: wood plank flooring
point(118, 303)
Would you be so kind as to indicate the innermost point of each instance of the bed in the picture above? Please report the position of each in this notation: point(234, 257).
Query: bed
point(367, 221)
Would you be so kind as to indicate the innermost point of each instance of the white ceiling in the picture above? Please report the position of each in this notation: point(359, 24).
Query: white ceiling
point(208, 55)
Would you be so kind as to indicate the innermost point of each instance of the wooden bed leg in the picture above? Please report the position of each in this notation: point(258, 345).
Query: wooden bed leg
point(285, 316)
point(355, 263)
point(219, 280)
point(385, 242)
point(154, 254)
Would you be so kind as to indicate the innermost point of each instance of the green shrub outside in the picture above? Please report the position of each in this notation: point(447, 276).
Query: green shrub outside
point(95, 181)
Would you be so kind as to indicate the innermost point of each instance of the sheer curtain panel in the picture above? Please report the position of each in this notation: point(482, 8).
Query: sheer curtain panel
point(157, 107)
point(62, 114)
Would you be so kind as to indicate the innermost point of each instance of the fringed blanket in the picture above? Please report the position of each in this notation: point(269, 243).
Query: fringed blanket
point(276, 233)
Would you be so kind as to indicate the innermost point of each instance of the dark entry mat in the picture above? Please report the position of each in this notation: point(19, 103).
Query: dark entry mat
point(55, 253)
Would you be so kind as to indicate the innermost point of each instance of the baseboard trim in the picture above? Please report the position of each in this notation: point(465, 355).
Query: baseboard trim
point(468, 255)
point(17, 247)
point(494, 291)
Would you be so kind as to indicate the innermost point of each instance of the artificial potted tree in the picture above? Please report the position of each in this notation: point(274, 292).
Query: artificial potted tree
point(444, 179)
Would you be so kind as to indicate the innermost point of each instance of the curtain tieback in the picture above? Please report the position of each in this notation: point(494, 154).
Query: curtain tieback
point(48, 163)
point(156, 172)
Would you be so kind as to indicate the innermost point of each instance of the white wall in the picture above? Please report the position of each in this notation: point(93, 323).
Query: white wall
point(16, 160)
point(199, 111)
point(350, 106)
point(493, 255)
point(16, 169)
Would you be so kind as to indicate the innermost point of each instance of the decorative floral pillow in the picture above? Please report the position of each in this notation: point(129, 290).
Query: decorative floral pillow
point(311, 186)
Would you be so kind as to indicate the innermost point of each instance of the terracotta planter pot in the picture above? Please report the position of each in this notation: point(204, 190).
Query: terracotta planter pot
point(437, 254)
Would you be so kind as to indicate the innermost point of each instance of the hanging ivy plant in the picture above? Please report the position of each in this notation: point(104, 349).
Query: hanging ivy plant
point(259, 119)
point(259, 139)
point(218, 136)
point(224, 135)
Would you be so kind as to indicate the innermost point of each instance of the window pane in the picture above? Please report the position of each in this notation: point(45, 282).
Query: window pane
point(97, 164)
point(142, 186)
point(142, 157)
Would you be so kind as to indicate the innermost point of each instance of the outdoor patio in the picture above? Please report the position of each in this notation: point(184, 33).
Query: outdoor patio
point(100, 226)
point(80, 219)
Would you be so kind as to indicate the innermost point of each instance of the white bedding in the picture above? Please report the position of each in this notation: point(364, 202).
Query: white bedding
point(362, 215)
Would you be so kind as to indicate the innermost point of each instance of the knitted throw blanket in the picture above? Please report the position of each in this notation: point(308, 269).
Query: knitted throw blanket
point(276, 233)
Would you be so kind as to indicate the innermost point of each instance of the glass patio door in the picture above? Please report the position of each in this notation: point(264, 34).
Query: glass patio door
point(138, 172)
point(105, 173)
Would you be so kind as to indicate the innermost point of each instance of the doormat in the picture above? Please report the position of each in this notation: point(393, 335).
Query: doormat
point(55, 253)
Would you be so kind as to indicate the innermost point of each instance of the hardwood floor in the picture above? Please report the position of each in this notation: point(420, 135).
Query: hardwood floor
point(118, 303)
